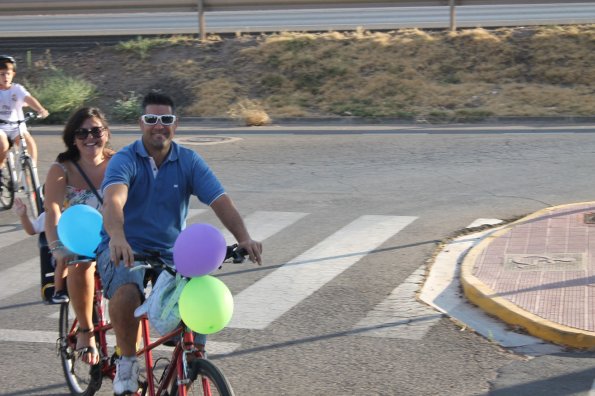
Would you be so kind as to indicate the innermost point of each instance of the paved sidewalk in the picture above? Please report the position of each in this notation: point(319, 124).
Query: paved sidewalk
point(538, 273)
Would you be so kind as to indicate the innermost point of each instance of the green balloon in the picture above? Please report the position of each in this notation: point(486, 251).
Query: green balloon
point(206, 304)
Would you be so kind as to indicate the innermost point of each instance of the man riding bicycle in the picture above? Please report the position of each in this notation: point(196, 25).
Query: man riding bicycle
point(146, 189)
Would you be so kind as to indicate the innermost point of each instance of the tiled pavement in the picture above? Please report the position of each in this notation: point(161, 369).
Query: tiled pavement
point(538, 273)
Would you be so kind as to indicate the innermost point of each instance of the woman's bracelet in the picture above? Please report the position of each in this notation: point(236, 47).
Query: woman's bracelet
point(52, 250)
point(55, 245)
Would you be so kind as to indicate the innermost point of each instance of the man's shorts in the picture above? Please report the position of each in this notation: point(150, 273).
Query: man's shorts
point(113, 277)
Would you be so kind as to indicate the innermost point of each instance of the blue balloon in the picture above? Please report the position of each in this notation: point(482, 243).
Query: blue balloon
point(79, 229)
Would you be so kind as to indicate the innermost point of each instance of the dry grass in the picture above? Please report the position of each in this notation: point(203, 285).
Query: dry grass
point(250, 112)
point(412, 73)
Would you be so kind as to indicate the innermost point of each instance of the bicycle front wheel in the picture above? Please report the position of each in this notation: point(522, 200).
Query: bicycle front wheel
point(7, 185)
point(82, 379)
point(205, 380)
point(32, 188)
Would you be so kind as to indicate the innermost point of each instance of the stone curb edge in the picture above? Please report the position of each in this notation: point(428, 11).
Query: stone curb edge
point(484, 297)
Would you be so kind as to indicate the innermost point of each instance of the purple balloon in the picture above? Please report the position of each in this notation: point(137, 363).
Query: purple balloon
point(199, 250)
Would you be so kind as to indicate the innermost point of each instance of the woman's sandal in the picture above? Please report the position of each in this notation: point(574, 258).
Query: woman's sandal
point(83, 351)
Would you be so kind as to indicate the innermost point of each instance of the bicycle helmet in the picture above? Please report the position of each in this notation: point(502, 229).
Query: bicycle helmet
point(9, 59)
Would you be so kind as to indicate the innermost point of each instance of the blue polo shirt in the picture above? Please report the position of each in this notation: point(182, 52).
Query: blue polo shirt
point(157, 205)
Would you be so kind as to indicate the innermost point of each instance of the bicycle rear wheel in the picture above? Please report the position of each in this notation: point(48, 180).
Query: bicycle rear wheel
point(32, 188)
point(82, 379)
point(205, 380)
point(6, 185)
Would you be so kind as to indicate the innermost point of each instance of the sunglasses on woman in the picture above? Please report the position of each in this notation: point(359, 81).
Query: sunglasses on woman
point(82, 133)
point(151, 119)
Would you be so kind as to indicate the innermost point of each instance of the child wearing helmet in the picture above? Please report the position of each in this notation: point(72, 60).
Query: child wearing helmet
point(13, 97)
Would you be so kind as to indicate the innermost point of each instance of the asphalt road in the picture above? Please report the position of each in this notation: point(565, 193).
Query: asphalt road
point(347, 215)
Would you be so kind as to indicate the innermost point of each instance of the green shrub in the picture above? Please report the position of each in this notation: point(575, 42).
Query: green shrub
point(61, 94)
point(127, 109)
point(141, 45)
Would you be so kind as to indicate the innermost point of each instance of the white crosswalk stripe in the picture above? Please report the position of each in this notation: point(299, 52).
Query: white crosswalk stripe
point(11, 234)
point(263, 225)
point(194, 212)
point(49, 337)
point(302, 276)
point(401, 315)
point(19, 278)
point(398, 316)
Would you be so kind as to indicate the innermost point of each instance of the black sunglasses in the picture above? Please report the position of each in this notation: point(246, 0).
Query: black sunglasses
point(82, 133)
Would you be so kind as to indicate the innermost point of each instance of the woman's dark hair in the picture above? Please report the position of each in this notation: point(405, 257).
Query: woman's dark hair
point(74, 122)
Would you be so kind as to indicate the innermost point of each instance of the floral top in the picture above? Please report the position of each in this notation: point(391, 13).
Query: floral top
point(79, 196)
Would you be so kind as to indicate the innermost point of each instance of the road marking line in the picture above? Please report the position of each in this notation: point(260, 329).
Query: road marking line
point(400, 315)
point(266, 300)
point(16, 233)
point(11, 233)
point(482, 221)
point(194, 212)
point(442, 291)
point(50, 337)
point(19, 278)
point(263, 224)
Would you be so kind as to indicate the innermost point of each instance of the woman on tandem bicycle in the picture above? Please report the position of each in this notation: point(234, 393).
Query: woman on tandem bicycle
point(72, 180)
point(147, 188)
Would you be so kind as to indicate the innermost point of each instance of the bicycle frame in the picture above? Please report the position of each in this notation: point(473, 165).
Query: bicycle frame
point(107, 367)
point(20, 154)
point(187, 369)
point(18, 159)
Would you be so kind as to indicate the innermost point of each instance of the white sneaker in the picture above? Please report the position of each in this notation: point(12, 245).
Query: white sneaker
point(126, 381)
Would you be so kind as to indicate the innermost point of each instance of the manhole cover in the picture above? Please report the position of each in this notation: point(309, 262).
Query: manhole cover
point(203, 140)
point(545, 262)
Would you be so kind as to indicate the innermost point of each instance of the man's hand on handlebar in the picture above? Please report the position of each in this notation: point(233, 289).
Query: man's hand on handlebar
point(254, 250)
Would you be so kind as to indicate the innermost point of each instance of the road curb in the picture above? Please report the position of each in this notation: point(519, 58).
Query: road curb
point(484, 297)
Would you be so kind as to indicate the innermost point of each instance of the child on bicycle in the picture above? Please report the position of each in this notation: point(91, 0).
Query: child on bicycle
point(13, 97)
point(34, 227)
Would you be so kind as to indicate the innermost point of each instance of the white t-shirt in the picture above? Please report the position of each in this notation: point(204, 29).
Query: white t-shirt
point(39, 223)
point(12, 101)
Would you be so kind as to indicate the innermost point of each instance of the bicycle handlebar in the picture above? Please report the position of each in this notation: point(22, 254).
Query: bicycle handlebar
point(153, 259)
point(28, 117)
point(31, 116)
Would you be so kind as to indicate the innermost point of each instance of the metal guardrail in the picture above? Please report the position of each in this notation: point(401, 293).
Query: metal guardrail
point(30, 7)
point(48, 7)
point(23, 7)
